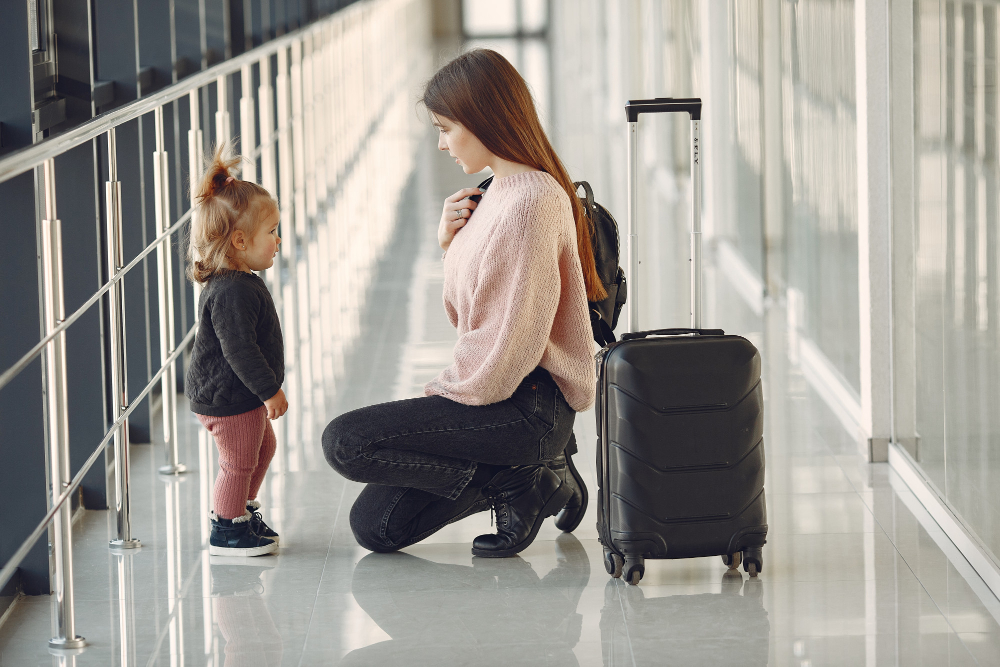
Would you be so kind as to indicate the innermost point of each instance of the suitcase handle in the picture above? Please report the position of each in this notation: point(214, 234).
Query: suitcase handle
point(673, 332)
point(633, 109)
point(692, 105)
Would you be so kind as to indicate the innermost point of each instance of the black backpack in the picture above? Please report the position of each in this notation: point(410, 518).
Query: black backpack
point(605, 242)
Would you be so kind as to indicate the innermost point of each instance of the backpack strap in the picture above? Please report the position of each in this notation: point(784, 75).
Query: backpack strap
point(588, 195)
point(603, 335)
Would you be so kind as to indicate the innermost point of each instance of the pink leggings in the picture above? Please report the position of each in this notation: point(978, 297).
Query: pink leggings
point(246, 444)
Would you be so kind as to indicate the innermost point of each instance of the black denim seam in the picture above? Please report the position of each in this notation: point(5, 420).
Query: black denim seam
point(385, 518)
point(447, 430)
point(555, 420)
point(461, 485)
point(432, 466)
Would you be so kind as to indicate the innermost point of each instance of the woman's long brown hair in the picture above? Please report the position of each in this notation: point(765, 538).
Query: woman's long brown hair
point(481, 90)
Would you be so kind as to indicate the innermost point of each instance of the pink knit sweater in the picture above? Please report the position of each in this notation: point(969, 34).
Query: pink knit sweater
point(513, 287)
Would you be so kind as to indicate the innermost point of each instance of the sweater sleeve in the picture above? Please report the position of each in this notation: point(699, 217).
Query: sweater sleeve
point(234, 317)
point(513, 308)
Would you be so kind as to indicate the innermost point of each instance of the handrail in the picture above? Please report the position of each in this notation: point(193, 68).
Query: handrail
point(8, 375)
point(299, 92)
point(12, 564)
point(30, 157)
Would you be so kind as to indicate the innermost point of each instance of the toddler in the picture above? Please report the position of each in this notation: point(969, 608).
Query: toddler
point(237, 365)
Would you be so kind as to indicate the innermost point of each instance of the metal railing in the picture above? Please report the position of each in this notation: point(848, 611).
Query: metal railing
point(308, 142)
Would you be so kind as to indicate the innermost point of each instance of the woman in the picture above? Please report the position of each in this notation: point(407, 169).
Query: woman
point(496, 427)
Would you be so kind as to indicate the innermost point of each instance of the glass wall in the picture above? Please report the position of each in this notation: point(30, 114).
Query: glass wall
point(819, 120)
point(778, 78)
point(947, 411)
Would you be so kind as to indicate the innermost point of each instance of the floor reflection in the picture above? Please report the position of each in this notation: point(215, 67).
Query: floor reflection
point(492, 612)
point(733, 625)
point(252, 640)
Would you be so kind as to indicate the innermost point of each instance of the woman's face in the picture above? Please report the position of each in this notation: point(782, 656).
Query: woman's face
point(462, 145)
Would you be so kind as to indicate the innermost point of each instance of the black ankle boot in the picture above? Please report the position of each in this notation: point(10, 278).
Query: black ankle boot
point(572, 514)
point(522, 497)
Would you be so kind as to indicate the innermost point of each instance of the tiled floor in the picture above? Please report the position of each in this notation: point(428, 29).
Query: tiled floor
point(854, 572)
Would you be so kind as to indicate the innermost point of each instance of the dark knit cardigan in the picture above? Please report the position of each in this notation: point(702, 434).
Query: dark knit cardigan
point(238, 360)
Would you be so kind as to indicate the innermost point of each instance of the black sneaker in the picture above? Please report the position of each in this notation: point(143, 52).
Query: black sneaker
point(522, 497)
point(257, 522)
point(234, 537)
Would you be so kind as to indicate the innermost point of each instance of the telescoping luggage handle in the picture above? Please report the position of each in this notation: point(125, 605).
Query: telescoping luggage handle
point(691, 106)
point(673, 332)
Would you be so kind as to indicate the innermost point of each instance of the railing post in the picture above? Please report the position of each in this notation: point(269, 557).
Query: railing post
point(57, 415)
point(248, 133)
point(196, 158)
point(223, 130)
point(116, 335)
point(268, 166)
point(126, 610)
point(265, 95)
point(165, 285)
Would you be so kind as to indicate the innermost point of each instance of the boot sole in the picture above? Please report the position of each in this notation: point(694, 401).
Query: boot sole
point(555, 503)
point(584, 497)
point(243, 553)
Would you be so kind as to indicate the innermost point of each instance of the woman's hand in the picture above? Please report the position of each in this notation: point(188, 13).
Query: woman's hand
point(277, 405)
point(456, 212)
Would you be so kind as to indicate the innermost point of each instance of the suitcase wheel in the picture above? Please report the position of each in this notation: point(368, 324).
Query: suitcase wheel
point(634, 569)
point(733, 560)
point(613, 563)
point(753, 561)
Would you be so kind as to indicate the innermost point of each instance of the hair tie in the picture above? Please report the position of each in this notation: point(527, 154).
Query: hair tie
point(229, 180)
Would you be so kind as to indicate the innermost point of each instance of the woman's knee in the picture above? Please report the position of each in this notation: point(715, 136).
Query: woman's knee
point(341, 445)
point(367, 528)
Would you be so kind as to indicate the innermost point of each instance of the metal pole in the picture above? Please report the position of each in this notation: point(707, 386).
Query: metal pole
point(58, 420)
point(696, 272)
point(196, 158)
point(248, 133)
point(633, 237)
point(268, 165)
point(165, 285)
point(265, 94)
point(119, 384)
point(126, 610)
point(223, 132)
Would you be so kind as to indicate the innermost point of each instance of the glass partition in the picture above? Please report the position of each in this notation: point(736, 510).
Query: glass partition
point(952, 428)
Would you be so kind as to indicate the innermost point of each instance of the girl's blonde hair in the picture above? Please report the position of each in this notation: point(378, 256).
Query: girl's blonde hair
point(223, 205)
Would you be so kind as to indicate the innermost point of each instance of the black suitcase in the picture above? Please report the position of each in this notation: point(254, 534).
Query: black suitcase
point(680, 456)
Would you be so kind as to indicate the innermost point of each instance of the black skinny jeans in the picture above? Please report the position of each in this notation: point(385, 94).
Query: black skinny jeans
point(419, 455)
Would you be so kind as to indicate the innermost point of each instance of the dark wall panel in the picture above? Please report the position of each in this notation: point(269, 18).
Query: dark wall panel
point(215, 30)
point(15, 76)
point(115, 48)
point(140, 313)
point(82, 257)
point(22, 430)
point(187, 28)
point(72, 25)
point(154, 45)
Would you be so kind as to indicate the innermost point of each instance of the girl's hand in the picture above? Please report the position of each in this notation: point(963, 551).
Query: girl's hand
point(456, 212)
point(277, 405)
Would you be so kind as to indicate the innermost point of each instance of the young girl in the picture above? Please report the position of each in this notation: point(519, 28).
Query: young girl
point(237, 365)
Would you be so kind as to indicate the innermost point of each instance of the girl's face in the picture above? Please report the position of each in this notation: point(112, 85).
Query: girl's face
point(461, 144)
point(263, 245)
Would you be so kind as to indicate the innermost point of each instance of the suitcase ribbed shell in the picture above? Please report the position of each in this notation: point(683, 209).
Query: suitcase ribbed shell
point(682, 470)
